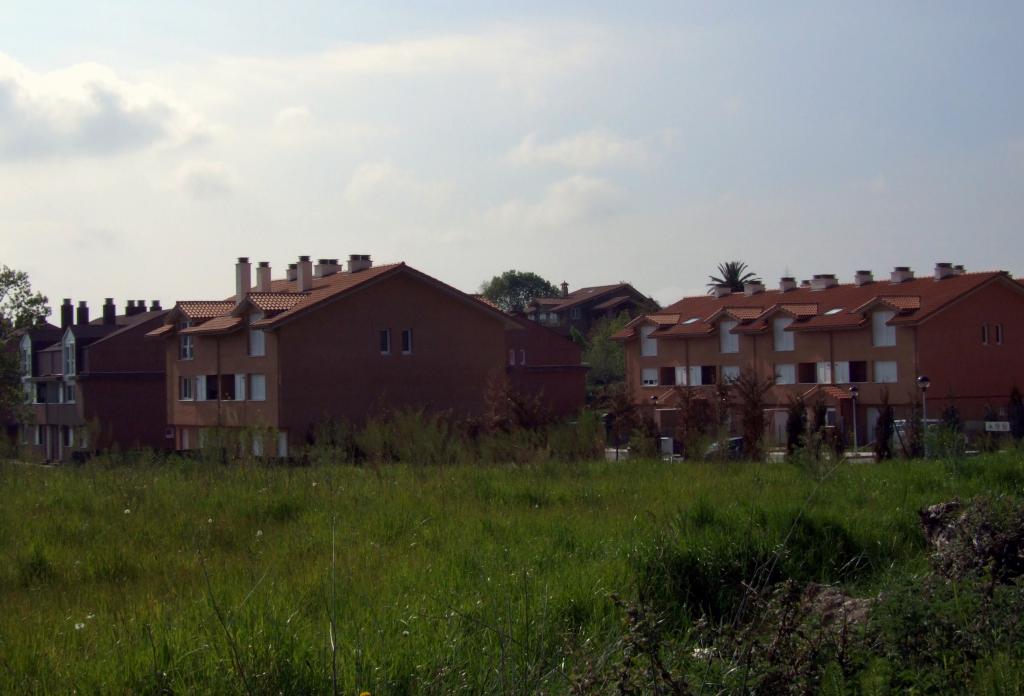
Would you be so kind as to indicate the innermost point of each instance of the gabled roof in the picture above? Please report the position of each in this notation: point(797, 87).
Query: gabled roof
point(621, 293)
point(275, 301)
point(200, 310)
point(829, 309)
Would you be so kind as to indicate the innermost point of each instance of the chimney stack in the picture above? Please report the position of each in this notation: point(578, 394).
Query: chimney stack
point(722, 290)
point(805, 283)
point(263, 277)
point(565, 289)
point(959, 269)
point(326, 267)
point(67, 313)
point(787, 283)
point(129, 309)
point(83, 313)
point(304, 275)
point(292, 272)
point(944, 270)
point(863, 278)
point(901, 274)
point(109, 312)
point(243, 278)
point(155, 306)
point(359, 262)
point(753, 287)
point(823, 281)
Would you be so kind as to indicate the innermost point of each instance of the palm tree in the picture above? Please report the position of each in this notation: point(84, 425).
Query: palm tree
point(732, 274)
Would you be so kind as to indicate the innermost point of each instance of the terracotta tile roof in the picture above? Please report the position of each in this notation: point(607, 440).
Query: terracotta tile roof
point(614, 302)
point(829, 390)
point(198, 310)
point(275, 301)
point(216, 325)
point(744, 313)
point(582, 295)
point(160, 331)
point(915, 300)
point(664, 319)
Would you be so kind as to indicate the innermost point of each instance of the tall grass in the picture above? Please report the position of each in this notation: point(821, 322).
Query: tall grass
point(189, 576)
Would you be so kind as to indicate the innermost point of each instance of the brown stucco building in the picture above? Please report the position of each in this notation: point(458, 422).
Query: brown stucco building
point(283, 355)
point(582, 308)
point(964, 331)
point(93, 385)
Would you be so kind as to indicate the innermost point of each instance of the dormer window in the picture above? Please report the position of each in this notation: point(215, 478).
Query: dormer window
point(26, 357)
point(185, 346)
point(728, 341)
point(881, 332)
point(575, 313)
point(833, 311)
point(648, 345)
point(783, 339)
point(257, 339)
point(69, 354)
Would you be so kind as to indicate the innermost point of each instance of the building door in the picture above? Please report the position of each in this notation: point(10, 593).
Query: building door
point(779, 419)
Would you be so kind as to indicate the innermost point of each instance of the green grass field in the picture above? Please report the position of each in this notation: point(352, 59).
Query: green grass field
point(189, 577)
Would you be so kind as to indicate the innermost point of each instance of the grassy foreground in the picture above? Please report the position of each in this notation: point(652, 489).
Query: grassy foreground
point(190, 577)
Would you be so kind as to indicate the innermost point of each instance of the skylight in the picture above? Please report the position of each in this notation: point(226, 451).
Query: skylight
point(691, 320)
point(834, 310)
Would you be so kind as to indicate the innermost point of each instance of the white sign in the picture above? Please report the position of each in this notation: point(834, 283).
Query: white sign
point(997, 426)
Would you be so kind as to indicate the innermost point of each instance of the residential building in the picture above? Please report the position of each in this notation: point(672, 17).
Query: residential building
point(93, 385)
point(547, 365)
point(581, 309)
point(322, 343)
point(964, 331)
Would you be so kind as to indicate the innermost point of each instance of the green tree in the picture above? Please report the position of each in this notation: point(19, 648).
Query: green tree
point(20, 308)
point(732, 274)
point(605, 357)
point(796, 424)
point(513, 290)
point(749, 394)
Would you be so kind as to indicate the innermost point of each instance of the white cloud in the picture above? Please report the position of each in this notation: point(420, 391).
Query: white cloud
point(578, 199)
point(384, 184)
point(205, 180)
point(587, 150)
point(83, 110)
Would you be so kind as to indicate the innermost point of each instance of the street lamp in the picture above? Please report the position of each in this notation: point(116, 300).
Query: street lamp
point(853, 395)
point(923, 383)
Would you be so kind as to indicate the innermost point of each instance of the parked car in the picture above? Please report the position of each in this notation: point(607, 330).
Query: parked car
point(733, 450)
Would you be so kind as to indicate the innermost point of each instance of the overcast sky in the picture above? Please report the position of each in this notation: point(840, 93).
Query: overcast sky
point(145, 145)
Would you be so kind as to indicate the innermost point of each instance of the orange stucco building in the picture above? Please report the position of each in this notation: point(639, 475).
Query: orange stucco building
point(964, 331)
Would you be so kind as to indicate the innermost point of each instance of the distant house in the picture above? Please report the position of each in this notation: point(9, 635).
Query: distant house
point(93, 385)
point(845, 344)
point(581, 309)
point(327, 343)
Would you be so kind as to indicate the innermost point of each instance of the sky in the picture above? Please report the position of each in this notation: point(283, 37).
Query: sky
point(146, 145)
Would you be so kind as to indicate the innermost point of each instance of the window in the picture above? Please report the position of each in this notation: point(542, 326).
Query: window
point(38, 440)
point(522, 356)
point(842, 372)
point(511, 356)
point(824, 372)
point(649, 375)
point(834, 310)
point(227, 387)
point(185, 389)
point(984, 333)
point(239, 387)
point(406, 341)
point(881, 333)
point(543, 316)
point(69, 436)
point(200, 390)
point(257, 339)
point(648, 345)
point(730, 373)
point(26, 357)
point(575, 313)
point(667, 376)
point(695, 376)
point(185, 349)
point(885, 372)
point(385, 342)
point(257, 387)
point(999, 334)
point(212, 388)
point(69, 355)
point(681, 376)
point(729, 342)
point(785, 373)
point(807, 373)
point(69, 393)
point(708, 374)
point(858, 371)
point(783, 338)
point(40, 393)
point(692, 320)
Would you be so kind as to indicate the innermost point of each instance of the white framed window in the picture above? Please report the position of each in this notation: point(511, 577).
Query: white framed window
point(785, 373)
point(522, 356)
point(200, 393)
point(69, 436)
point(783, 339)
point(649, 376)
point(185, 345)
point(648, 345)
point(728, 341)
point(511, 356)
point(257, 387)
point(881, 333)
point(681, 376)
point(575, 313)
point(185, 392)
point(730, 373)
point(26, 356)
point(999, 334)
point(695, 376)
point(842, 372)
point(984, 333)
point(824, 370)
point(384, 340)
point(257, 338)
point(406, 341)
point(69, 354)
point(885, 372)
point(239, 387)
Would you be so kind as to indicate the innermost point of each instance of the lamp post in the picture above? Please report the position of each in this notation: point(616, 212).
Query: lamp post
point(923, 383)
point(853, 396)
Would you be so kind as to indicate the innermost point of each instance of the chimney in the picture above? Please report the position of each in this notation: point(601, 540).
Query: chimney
point(805, 283)
point(959, 269)
point(304, 275)
point(787, 283)
point(823, 281)
point(863, 278)
point(67, 313)
point(722, 290)
point(901, 274)
point(155, 306)
point(263, 277)
point(754, 287)
point(109, 312)
point(140, 306)
point(325, 267)
point(243, 278)
point(565, 289)
point(359, 262)
point(944, 270)
point(83, 313)
point(292, 272)
point(129, 308)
